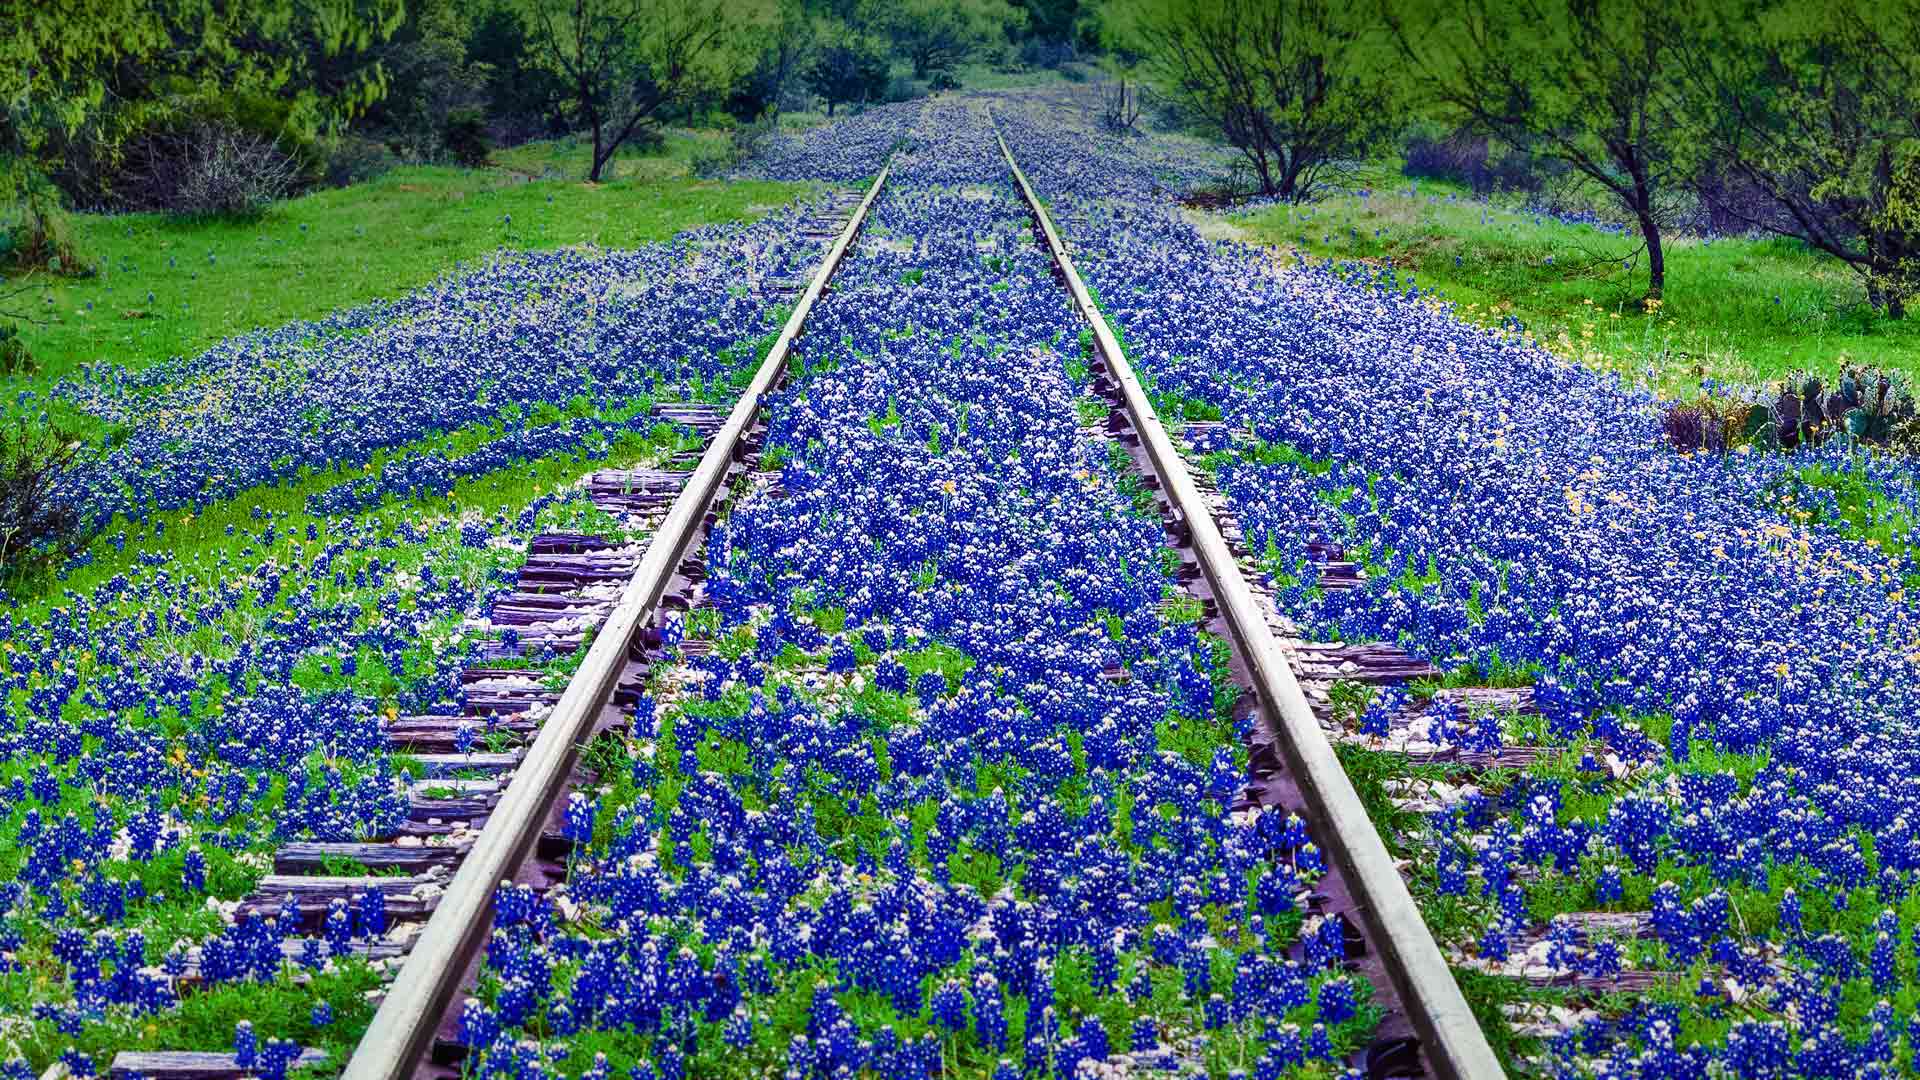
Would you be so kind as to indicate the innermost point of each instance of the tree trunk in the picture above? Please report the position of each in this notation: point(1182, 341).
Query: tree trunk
point(599, 161)
point(1892, 277)
point(1656, 256)
point(1649, 228)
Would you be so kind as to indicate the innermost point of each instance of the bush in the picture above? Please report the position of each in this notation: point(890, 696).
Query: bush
point(466, 137)
point(14, 357)
point(743, 142)
point(352, 159)
point(1466, 158)
point(210, 169)
point(1457, 156)
point(42, 237)
point(943, 80)
point(901, 88)
point(40, 518)
point(1046, 54)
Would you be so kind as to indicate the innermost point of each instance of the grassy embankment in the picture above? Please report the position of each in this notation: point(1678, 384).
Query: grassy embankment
point(172, 287)
point(1737, 309)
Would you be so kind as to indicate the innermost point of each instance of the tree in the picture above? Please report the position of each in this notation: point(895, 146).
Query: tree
point(1578, 81)
point(1811, 106)
point(938, 34)
point(850, 68)
point(627, 62)
point(1051, 20)
point(1294, 85)
point(782, 64)
point(524, 97)
point(77, 77)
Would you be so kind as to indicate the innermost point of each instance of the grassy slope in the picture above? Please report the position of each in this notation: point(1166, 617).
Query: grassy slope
point(346, 246)
point(433, 217)
point(1746, 310)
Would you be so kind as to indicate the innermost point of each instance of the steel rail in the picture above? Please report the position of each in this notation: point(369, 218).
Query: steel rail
point(405, 1024)
point(1454, 1045)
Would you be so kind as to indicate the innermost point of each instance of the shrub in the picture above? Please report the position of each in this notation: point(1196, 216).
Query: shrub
point(14, 357)
point(1458, 156)
point(40, 518)
point(1707, 423)
point(743, 142)
point(1119, 106)
point(209, 169)
point(901, 88)
point(466, 137)
point(42, 237)
point(943, 80)
point(1046, 54)
point(353, 159)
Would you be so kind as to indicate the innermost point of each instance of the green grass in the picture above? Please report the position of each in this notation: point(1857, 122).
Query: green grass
point(1746, 310)
point(345, 246)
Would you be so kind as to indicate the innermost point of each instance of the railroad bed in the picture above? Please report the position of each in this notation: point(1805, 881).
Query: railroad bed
point(493, 809)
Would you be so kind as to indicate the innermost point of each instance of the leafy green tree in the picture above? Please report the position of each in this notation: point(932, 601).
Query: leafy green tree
point(524, 97)
point(1582, 82)
point(436, 86)
point(937, 35)
point(93, 69)
point(79, 78)
point(850, 67)
point(627, 62)
point(790, 47)
point(1052, 20)
point(1812, 105)
point(1294, 85)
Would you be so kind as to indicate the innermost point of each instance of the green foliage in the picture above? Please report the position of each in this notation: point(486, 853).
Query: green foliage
point(466, 137)
point(1588, 85)
point(14, 357)
point(849, 67)
point(1809, 105)
point(775, 80)
point(1740, 309)
point(79, 78)
point(628, 62)
point(936, 35)
point(1297, 86)
point(41, 238)
point(522, 96)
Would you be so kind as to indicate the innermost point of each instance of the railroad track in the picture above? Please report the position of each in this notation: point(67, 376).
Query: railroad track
point(1293, 762)
point(486, 808)
point(484, 818)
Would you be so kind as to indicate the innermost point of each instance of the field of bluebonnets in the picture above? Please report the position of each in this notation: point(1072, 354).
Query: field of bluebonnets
point(374, 477)
point(1729, 668)
point(897, 815)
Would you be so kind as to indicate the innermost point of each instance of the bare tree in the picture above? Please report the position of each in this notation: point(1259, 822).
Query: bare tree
point(626, 63)
point(1119, 105)
point(1290, 83)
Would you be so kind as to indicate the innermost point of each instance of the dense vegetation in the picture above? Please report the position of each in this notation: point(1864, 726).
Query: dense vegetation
point(308, 324)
